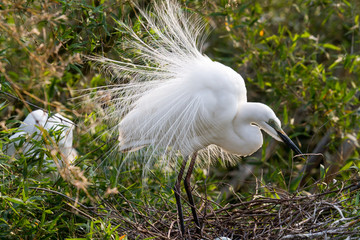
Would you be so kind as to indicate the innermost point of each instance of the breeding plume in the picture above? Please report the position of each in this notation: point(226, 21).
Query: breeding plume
point(177, 100)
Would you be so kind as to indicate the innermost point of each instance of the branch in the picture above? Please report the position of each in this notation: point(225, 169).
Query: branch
point(314, 160)
point(318, 234)
point(344, 152)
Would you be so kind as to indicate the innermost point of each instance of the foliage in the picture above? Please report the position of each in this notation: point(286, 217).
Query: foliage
point(301, 57)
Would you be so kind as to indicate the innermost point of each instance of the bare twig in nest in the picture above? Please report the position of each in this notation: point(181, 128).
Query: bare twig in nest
point(331, 213)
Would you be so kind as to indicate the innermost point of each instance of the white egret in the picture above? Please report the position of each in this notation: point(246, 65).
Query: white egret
point(33, 125)
point(177, 99)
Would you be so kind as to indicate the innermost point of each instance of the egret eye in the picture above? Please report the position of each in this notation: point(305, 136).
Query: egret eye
point(274, 125)
point(283, 136)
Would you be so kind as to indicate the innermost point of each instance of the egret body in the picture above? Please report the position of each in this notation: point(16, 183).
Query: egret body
point(179, 100)
point(32, 126)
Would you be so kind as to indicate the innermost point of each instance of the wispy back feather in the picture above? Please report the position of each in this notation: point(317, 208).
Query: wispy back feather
point(160, 106)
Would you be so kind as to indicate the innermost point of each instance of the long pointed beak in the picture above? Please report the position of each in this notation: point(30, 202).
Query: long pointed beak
point(288, 141)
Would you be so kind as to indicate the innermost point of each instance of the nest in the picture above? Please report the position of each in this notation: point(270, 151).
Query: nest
point(331, 214)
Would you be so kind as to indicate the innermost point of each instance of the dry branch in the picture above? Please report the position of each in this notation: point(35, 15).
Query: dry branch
point(328, 214)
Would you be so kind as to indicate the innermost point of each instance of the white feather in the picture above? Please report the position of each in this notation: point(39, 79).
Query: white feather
point(32, 125)
point(177, 99)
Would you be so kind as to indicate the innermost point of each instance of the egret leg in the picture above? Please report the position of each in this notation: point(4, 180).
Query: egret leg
point(177, 195)
point(188, 190)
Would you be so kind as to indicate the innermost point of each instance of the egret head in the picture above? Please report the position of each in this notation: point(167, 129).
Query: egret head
point(265, 118)
point(282, 135)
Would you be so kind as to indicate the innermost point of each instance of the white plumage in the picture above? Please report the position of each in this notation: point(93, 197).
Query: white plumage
point(187, 112)
point(32, 127)
point(177, 99)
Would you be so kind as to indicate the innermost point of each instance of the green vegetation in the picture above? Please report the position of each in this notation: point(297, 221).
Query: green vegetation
point(302, 58)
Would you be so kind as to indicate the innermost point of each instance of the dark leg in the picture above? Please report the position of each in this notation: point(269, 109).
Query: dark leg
point(177, 195)
point(188, 190)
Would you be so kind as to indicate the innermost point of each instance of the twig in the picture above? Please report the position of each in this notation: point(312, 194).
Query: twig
point(318, 234)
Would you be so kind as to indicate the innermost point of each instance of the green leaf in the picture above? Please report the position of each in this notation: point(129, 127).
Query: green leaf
point(14, 200)
point(286, 117)
point(349, 95)
point(322, 171)
point(330, 46)
point(347, 166)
